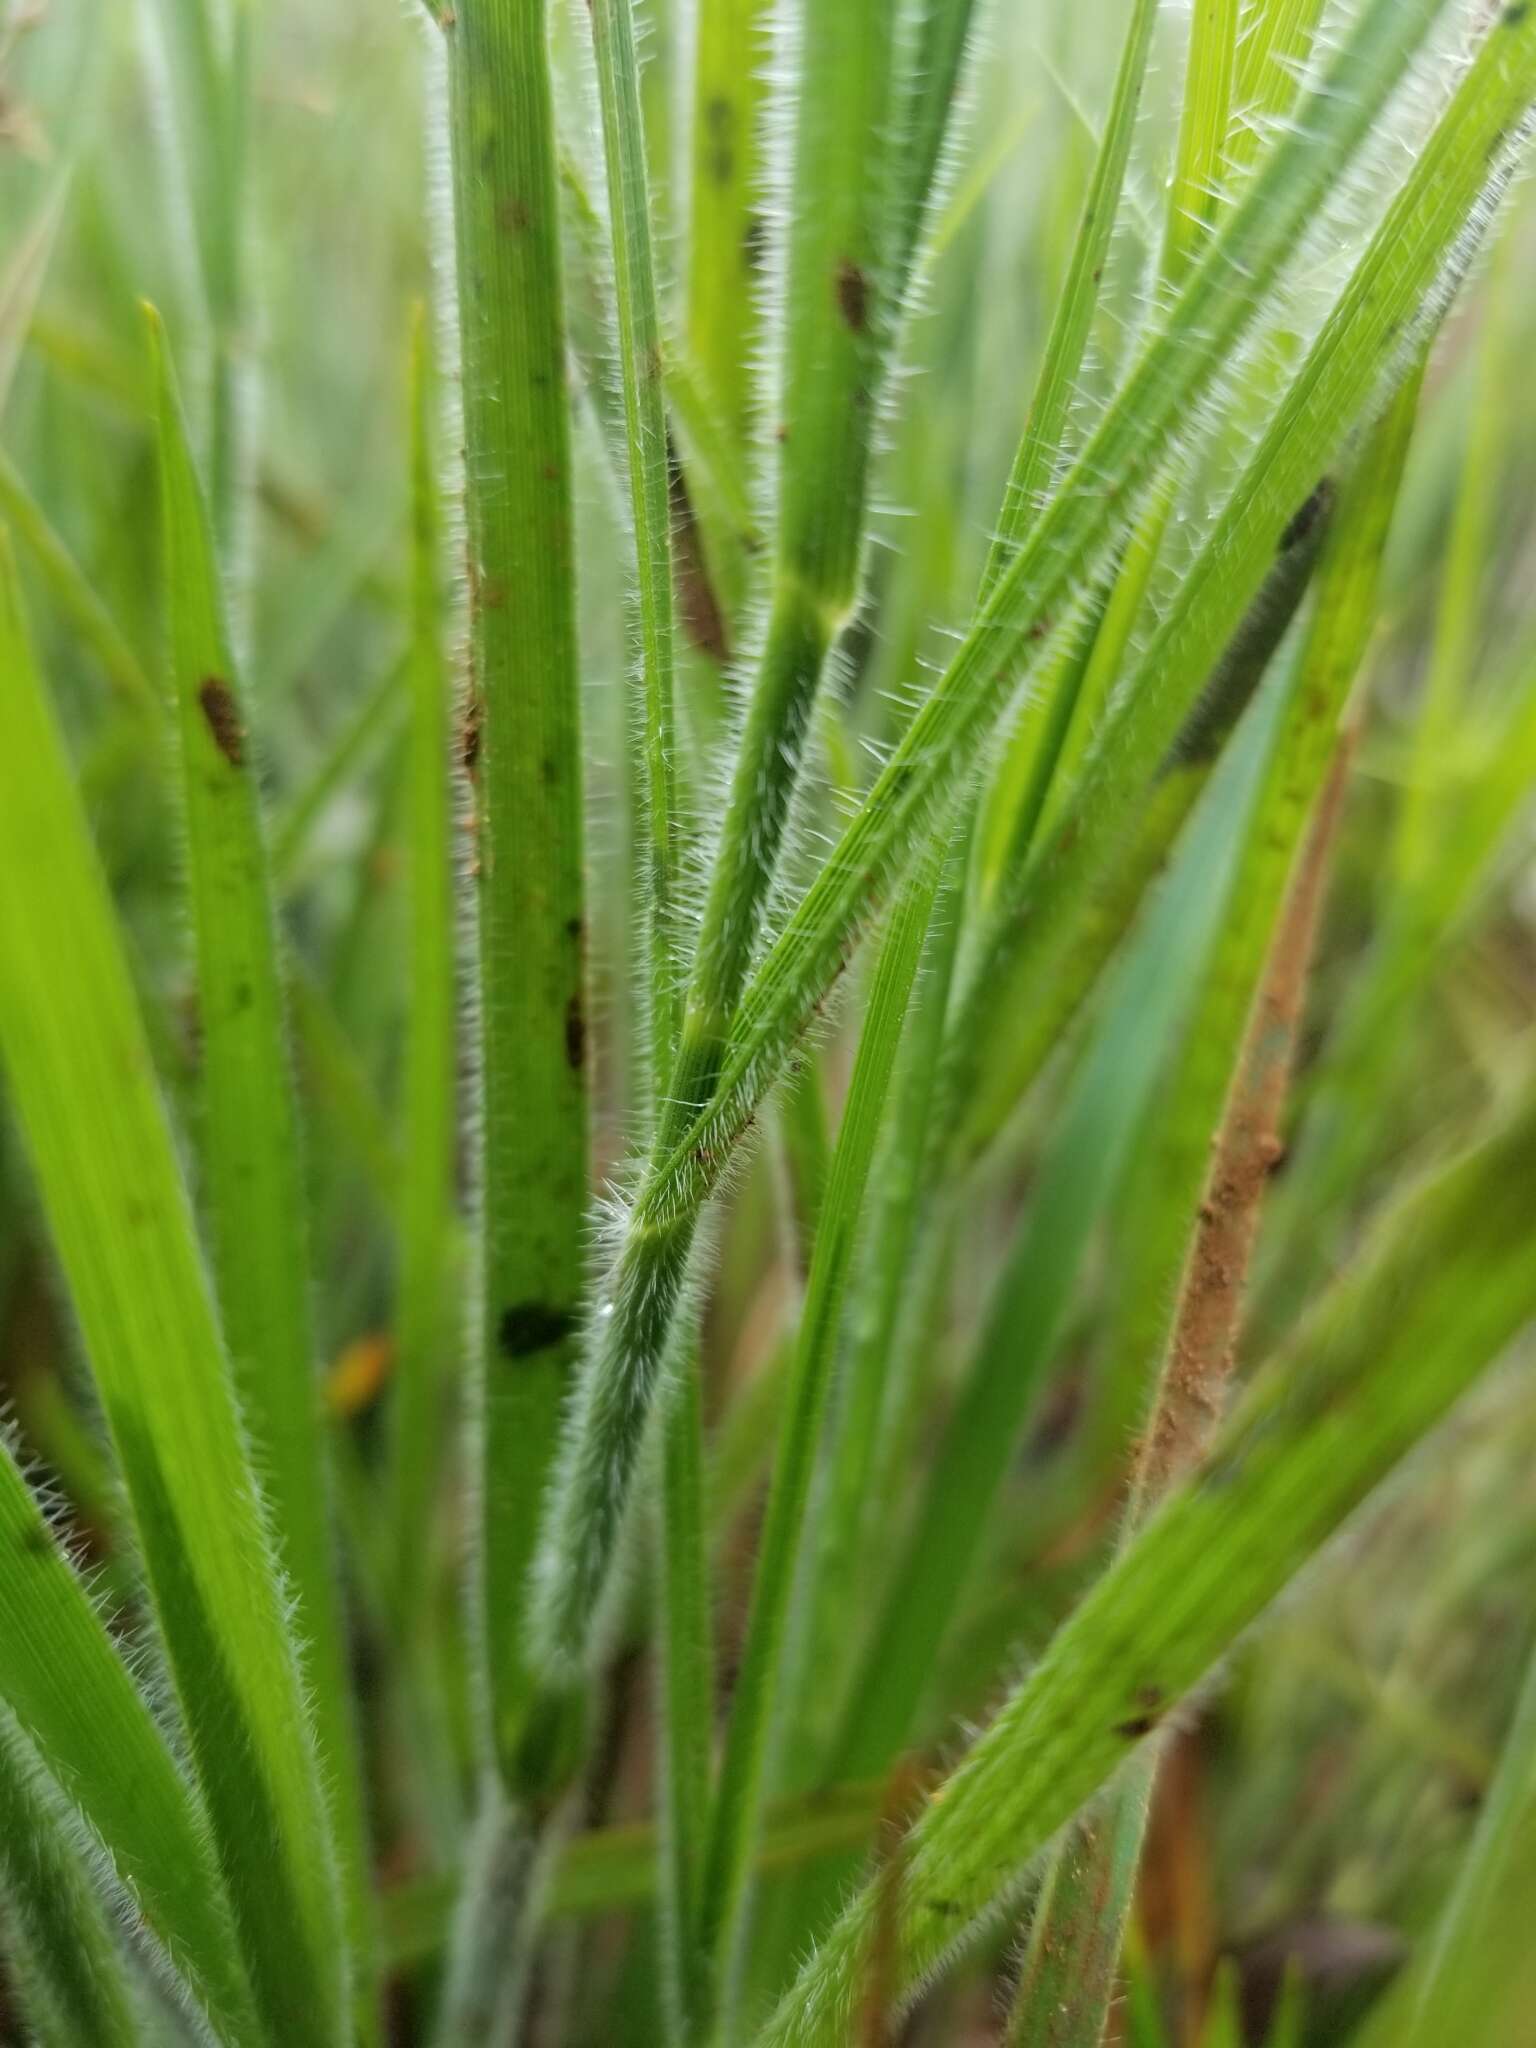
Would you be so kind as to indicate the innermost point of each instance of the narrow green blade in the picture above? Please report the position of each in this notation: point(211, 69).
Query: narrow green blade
point(252, 1172)
point(68, 1961)
point(85, 1093)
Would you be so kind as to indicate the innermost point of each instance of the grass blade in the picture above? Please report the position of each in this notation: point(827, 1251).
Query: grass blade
point(686, 1651)
point(1275, 39)
point(1076, 1178)
point(736, 1819)
point(645, 421)
point(1416, 257)
point(84, 1089)
point(1157, 1231)
point(72, 591)
point(1080, 1920)
point(1459, 616)
point(838, 326)
point(424, 1319)
point(67, 1960)
point(852, 1513)
point(253, 1180)
point(1199, 170)
point(727, 231)
point(1479, 1963)
point(78, 1709)
point(839, 321)
point(527, 797)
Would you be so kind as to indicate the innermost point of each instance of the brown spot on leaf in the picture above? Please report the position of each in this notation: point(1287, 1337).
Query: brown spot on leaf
point(575, 1033)
point(703, 620)
point(853, 294)
point(1319, 503)
point(512, 215)
point(223, 716)
point(720, 128)
point(469, 734)
point(532, 1326)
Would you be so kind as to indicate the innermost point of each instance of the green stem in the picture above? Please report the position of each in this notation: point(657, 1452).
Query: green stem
point(687, 1678)
point(527, 780)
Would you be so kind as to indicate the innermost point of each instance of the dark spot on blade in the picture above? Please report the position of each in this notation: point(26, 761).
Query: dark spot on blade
point(720, 130)
point(223, 716)
point(1151, 1699)
point(1321, 501)
point(1513, 16)
point(575, 1034)
point(532, 1326)
point(35, 1541)
point(512, 215)
point(853, 295)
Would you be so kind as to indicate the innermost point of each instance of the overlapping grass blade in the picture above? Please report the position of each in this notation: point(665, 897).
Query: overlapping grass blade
point(935, 756)
point(362, 735)
point(1447, 1284)
point(683, 1605)
point(207, 130)
point(79, 1714)
point(427, 1335)
point(1023, 773)
point(252, 1177)
point(727, 229)
point(523, 717)
point(839, 322)
point(1478, 1968)
point(645, 423)
point(1067, 1984)
point(853, 1511)
point(1205, 123)
point(84, 1090)
point(1415, 258)
point(73, 593)
point(737, 1814)
point(1275, 38)
point(73, 1983)
point(1352, 356)
point(1075, 1182)
point(1157, 1229)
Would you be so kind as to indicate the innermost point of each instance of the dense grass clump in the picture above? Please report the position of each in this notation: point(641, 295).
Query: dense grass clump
point(768, 1174)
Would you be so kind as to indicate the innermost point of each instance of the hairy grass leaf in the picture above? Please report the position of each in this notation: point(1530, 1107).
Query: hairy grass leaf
point(85, 1092)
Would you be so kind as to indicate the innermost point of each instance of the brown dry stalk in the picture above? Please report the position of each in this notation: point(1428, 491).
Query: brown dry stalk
point(1247, 1149)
